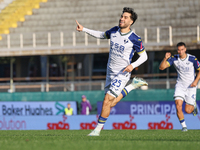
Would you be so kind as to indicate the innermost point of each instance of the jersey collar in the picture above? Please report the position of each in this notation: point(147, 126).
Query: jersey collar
point(184, 58)
point(124, 33)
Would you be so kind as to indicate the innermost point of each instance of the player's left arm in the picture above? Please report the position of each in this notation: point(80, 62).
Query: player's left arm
point(140, 49)
point(142, 58)
point(197, 66)
point(194, 84)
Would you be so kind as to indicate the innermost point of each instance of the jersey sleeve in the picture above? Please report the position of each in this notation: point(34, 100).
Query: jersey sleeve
point(138, 46)
point(108, 32)
point(170, 61)
point(196, 64)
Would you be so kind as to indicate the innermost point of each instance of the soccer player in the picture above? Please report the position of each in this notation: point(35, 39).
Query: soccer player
point(186, 85)
point(123, 44)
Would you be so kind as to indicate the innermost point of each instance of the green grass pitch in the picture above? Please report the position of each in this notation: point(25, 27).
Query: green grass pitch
point(108, 140)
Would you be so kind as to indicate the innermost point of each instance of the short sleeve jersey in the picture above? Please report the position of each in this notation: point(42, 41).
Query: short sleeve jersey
point(185, 69)
point(122, 49)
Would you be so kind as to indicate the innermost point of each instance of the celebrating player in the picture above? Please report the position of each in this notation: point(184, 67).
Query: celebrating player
point(185, 88)
point(123, 44)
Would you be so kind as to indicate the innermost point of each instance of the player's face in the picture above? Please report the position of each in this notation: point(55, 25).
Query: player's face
point(182, 51)
point(125, 20)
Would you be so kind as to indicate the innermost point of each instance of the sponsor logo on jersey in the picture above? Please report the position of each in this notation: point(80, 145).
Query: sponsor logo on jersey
point(141, 46)
point(117, 49)
point(198, 64)
point(114, 36)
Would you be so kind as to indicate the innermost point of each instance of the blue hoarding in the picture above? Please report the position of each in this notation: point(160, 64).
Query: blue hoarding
point(144, 108)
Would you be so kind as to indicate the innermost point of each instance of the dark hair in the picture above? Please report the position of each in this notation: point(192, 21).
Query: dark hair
point(180, 44)
point(131, 11)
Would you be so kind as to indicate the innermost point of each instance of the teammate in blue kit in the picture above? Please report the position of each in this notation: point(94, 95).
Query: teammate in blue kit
point(123, 44)
point(186, 85)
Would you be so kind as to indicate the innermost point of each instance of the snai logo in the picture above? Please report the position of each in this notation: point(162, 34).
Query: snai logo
point(125, 125)
point(161, 125)
point(61, 125)
point(88, 126)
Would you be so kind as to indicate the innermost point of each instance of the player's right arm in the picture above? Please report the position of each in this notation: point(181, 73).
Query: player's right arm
point(165, 64)
point(96, 34)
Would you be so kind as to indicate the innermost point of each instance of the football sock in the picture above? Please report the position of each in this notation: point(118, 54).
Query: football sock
point(99, 127)
point(127, 89)
point(101, 122)
point(182, 121)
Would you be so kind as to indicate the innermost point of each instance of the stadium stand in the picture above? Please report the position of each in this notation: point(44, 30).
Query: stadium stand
point(57, 16)
point(3, 4)
point(48, 28)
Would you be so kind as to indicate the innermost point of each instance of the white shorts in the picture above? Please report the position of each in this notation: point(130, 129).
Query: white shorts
point(116, 83)
point(186, 94)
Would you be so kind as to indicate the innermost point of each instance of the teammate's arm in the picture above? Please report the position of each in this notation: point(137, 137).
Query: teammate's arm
point(96, 34)
point(142, 58)
point(164, 64)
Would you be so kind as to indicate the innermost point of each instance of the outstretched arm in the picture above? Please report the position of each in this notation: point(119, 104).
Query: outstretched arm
point(79, 26)
point(164, 64)
point(143, 57)
point(96, 34)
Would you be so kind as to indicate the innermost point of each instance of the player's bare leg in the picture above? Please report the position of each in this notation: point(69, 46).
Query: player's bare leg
point(180, 115)
point(111, 101)
point(136, 83)
point(189, 108)
point(116, 100)
point(179, 104)
point(105, 112)
point(107, 103)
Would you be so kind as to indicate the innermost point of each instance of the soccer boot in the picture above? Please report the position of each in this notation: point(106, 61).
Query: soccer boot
point(138, 82)
point(184, 129)
point(195, 111)
point(94, 133)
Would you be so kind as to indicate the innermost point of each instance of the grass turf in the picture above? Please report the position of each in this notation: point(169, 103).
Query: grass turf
point(109, 139)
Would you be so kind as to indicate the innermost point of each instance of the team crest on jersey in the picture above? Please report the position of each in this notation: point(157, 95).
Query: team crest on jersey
point(125, 41)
